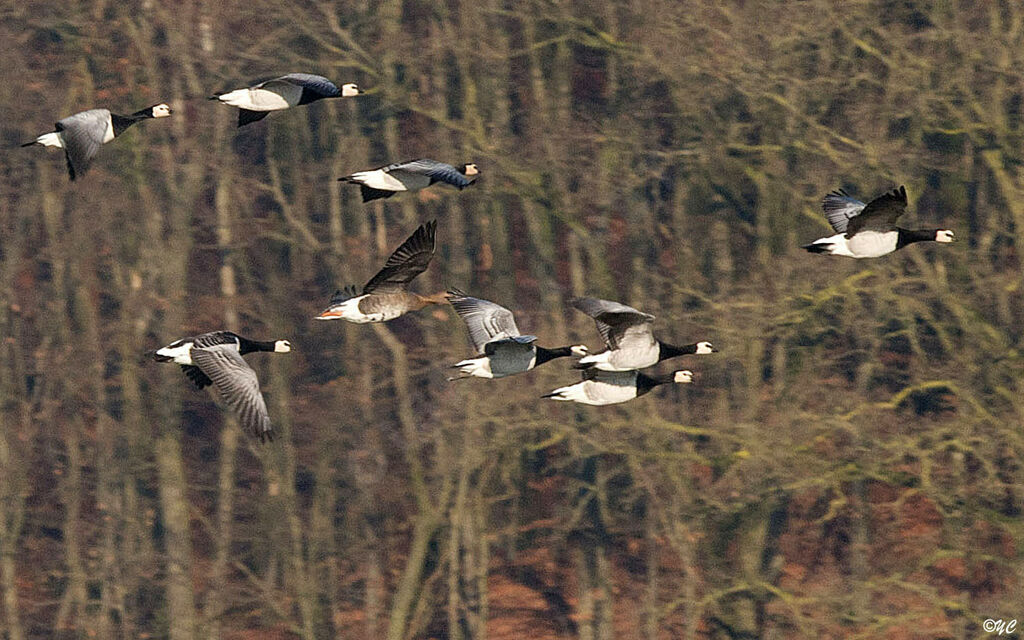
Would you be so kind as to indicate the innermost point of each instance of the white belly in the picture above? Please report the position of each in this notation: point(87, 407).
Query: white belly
point(602, 393)
point(52, 139)
point(622, 360)
point(872, 244)
point(261, 99)
point(350, 311)
point(379, 180)
point(475, 367)
point(596, 393)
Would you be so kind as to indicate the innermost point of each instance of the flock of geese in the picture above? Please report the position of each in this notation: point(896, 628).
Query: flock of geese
point(611, 376)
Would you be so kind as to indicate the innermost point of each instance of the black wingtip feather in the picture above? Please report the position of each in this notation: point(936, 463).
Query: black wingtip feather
point(817, 248)
point(455, 295)
point(341, 295)
point(370, 194)
point(245, 116)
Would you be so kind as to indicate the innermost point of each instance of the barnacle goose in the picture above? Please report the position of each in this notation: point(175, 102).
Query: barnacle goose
point(82, 134)
point(627, 333)
point(869, 230)
point(290, 90)
point(413, 175)
point(502, 350)
point(216, 358)
point(612, 387)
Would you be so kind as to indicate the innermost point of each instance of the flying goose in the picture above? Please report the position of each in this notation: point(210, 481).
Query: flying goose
point(502, 350)
point(82, 134)
point(291, 90)
point(413, 175)
point(627, 333)
point(869, 230)
point(216, 358)
point(386, 295)
point(612, 387)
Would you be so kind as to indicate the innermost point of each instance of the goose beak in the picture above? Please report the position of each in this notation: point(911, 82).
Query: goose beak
point(329, 314)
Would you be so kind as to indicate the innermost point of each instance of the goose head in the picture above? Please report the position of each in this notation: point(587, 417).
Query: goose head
point(579, 350)
point(282, 346)
point(470, 169)
point(684, 376)
point(160, 111)
point(943, 235)
point(349, 90)
point(705, 347)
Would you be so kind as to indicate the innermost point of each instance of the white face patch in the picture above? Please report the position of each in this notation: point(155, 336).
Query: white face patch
point(683, 376)
point(349, 90)
point(704, 348)
point(471, 170)
point(282, 346)
point(179, 353)
point(161, 111)
point(943, 235)
point(578, 350)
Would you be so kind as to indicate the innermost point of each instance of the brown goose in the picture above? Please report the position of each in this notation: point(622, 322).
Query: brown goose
point(386, 295)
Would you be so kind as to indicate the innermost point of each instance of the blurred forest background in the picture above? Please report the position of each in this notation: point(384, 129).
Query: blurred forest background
point(847, 466)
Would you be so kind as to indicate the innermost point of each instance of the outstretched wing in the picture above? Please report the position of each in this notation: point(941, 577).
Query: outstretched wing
point(83, 135)
point(436, 171)
point(216, 338)
point(238, 386)
point(881, 213)
point(618, 323)
point(839, 208)
point(408, 261)
point(486, 320)
point(309, 82)
point(341, 295)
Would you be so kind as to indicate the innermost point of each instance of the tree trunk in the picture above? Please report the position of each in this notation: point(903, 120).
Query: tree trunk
point(181, 607)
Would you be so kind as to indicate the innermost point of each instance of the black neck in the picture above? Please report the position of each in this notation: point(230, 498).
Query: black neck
point(910, 236)
point(645, 383)
point(120, 123)
point(248, 346)
point(312, 96)
point(670, 350)
point(543, 355)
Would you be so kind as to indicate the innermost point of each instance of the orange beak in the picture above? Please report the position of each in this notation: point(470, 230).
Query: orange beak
point(329, 314)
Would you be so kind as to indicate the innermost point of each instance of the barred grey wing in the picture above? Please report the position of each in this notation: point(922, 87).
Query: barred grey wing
point(433, 169)
point(486, 320)
point(839, 208)
point(615, 320)
point(238, 386)
point(83, 135)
